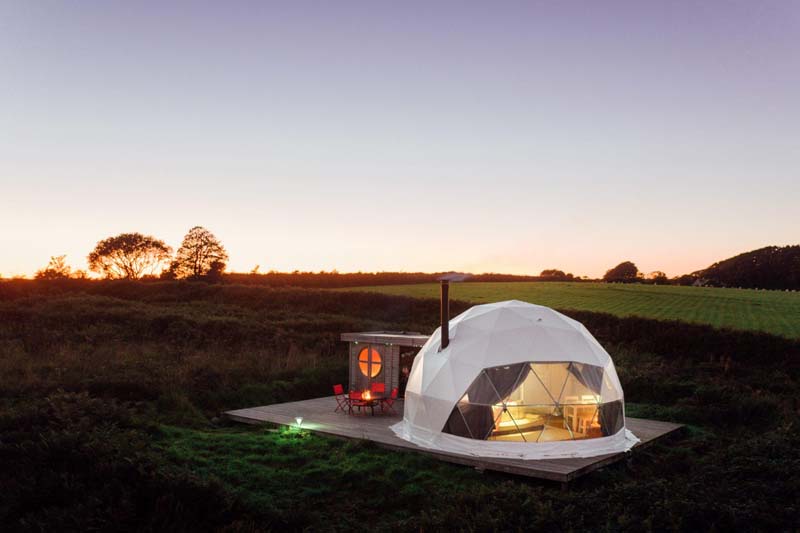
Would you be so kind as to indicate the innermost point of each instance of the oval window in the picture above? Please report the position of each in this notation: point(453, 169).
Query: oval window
point(369, 362)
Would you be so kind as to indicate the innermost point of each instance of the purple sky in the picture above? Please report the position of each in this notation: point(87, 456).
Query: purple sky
point(482, 136)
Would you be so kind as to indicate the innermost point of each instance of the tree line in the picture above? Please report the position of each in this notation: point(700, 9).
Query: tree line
point(770, 268)
point(136, 256)
point(201, 256)
point(628, 272)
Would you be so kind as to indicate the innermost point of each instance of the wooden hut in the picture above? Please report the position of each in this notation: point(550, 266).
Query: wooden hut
point(378, 357)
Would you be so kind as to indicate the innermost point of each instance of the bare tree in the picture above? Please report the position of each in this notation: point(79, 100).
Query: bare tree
point(57, 268)
point(201, 254)
point(129, 256)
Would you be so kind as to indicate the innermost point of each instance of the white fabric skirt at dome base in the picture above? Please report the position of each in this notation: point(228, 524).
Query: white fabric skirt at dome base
point(622, 441)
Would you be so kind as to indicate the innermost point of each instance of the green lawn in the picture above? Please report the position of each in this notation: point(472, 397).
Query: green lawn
point(290, 479)
point(770, 311)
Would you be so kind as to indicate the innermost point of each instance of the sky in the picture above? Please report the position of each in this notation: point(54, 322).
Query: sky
point(404, 136)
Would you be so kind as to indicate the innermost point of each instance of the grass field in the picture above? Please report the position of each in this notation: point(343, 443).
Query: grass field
point(768, 311)
point(111, 393)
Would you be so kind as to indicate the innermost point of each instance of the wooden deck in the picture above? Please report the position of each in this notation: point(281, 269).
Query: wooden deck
point(319, 416)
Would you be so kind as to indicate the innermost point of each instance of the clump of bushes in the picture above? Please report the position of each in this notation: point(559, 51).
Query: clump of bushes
point(71, 462)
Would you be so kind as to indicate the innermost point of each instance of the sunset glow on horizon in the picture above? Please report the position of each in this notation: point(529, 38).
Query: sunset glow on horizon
point(364, 136)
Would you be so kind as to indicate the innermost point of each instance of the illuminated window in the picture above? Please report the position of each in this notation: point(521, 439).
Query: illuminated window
point(538, 402)
point(369, 361)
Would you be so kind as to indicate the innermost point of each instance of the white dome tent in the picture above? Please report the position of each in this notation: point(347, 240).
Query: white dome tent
point(516, 380)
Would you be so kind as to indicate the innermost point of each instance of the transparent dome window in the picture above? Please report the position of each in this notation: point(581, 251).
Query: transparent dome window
point(538, 402)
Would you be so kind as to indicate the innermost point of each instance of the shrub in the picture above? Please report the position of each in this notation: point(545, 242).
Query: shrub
point(70, 462)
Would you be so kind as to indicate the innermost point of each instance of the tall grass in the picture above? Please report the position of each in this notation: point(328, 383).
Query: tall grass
point(110, 395)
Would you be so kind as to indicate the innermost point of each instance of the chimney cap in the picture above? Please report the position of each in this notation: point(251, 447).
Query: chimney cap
point(454, 276)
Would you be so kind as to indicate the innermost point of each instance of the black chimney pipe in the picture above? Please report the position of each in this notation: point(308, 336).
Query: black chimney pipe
point(444, 313)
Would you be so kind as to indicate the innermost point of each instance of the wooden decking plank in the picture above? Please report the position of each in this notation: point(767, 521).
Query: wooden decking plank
point(319, 416)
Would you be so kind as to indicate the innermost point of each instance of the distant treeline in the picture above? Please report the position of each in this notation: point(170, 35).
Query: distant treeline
point(362, 279)
point(772, 267)
point(201, 257)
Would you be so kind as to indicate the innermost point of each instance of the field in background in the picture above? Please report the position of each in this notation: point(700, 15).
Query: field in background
point(768, 311)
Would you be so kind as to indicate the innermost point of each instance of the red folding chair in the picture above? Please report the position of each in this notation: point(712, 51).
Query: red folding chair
point(355, 400)
point(341, 400)
point(377, 388)
point(389, 402)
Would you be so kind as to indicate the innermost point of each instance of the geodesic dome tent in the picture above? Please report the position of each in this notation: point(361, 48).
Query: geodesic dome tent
point(516, 380)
